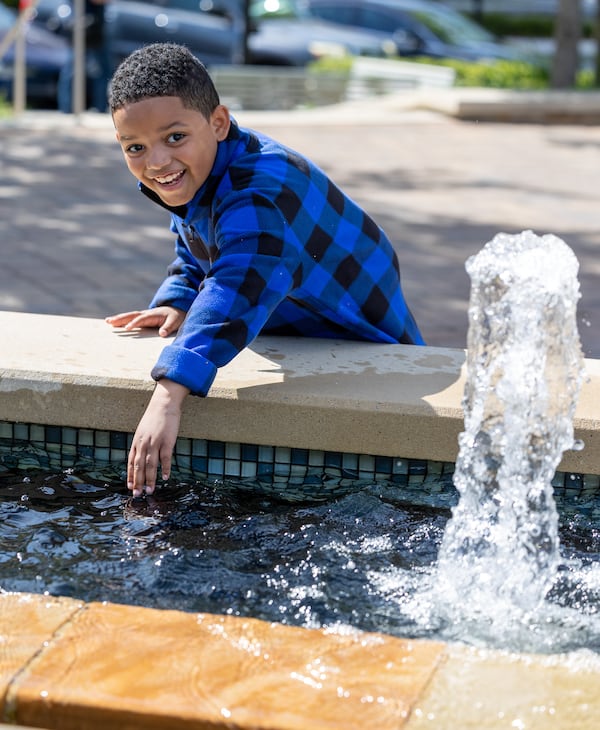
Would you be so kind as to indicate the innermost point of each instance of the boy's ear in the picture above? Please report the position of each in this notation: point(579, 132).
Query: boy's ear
point(220, 122)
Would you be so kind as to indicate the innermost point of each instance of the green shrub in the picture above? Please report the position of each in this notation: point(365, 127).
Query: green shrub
point(498, 75)
point(526, 26)
point(586, 80)
point(339, 65)
point(507, 75)
point(5, 108)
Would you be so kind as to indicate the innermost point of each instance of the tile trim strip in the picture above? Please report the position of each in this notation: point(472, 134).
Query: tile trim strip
point(292, 473)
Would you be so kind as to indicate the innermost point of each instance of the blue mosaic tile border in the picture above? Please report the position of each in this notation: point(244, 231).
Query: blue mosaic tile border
point(216, 458)
point(290, 472)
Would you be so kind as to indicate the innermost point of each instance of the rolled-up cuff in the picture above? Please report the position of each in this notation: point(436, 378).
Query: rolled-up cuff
point(186, 368)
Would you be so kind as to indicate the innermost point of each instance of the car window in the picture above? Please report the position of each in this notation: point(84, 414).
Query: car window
point(380, 20)
point(187, 4)
point(214, 7)
point(451, 28)
point(344, 14)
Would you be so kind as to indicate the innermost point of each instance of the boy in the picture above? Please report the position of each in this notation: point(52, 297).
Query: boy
point(265, 243)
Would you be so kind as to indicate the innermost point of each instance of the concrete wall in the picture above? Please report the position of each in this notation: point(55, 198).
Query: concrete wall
point(353, 397)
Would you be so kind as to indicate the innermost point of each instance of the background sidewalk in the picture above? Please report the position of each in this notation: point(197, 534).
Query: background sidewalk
point(78, 239)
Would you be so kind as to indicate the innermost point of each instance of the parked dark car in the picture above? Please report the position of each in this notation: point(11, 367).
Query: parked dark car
point(213, 31)
point(284, 33)
point(280, 32)
point(517, 7)
point(417, 28)
point(45, 55)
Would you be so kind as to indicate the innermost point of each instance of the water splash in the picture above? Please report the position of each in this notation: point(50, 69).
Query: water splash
point(500, 552)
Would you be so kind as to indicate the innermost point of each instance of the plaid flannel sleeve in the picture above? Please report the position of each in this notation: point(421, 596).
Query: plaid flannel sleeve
point(184, 276)
point(253, 273)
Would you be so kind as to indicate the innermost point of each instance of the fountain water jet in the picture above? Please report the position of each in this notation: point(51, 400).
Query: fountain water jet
point(500, 551)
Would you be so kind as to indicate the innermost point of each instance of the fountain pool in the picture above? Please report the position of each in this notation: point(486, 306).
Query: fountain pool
point(378, 555)
point(364, 559)
point(415, 396)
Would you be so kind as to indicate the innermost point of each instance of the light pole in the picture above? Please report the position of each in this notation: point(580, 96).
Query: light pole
point(26, 8)
point(79, 75)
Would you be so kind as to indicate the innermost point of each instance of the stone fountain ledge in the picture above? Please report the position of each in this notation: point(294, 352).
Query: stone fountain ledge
point(512, 106)
point(65, 664)
point(353, 397)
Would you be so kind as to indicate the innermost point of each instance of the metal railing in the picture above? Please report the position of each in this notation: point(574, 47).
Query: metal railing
point(17, 35)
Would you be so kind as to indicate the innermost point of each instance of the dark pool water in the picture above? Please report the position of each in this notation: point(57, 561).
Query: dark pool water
point(209, 547)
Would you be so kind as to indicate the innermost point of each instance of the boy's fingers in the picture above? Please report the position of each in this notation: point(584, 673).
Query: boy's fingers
point(140, 321)
point(150, 318)
point(118, 320)
point(150, 473)
point(171, 324)
point(131, 320)
point(141, 472)
point(139, 476)
point(165, 463)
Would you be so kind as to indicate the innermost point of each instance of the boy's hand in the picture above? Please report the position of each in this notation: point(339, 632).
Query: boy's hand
point(154, 438)
point(167, 319)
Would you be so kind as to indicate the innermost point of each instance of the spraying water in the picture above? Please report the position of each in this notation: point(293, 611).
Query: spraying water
point(500, 550)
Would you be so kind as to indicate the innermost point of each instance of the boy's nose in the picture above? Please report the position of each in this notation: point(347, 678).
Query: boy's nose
point(157, 158)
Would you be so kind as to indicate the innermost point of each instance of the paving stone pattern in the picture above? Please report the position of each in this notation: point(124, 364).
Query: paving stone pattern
point(78, 239)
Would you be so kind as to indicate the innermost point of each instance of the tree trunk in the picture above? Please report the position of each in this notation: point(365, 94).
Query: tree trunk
point(247, 21)
point(566, 36)
point(597, 39)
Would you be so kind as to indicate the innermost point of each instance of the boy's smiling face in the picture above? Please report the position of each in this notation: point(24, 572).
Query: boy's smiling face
point(168, 147)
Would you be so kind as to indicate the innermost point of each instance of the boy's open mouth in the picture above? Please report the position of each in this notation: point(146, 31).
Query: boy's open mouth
point(169, 179)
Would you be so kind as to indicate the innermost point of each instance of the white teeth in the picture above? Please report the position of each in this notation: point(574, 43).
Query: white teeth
point(169, 178)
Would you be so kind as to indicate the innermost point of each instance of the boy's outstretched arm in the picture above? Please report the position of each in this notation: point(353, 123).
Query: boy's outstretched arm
point(154, 439)
point(166, 318)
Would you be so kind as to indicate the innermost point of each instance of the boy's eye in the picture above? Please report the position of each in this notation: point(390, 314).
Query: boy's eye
point(175, 137)
point(133, 148)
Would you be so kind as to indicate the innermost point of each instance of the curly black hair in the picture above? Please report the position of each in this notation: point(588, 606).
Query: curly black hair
point(163, 69)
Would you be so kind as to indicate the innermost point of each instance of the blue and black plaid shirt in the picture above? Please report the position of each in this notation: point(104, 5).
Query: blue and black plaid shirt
point(269, 244)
